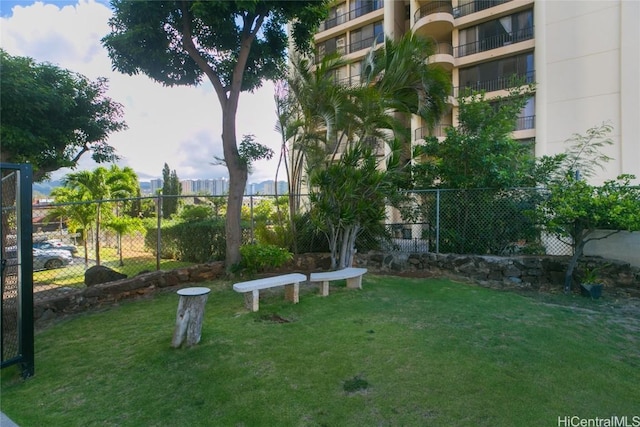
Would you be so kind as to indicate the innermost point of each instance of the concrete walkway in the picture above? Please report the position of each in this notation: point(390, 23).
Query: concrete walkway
point(6, 421)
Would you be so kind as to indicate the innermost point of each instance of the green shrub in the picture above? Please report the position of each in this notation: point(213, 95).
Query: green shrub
point(193, 241)
point(256, 258)
point(191, 213)
point(201, 241)
point(308, 238)
point(168, 242)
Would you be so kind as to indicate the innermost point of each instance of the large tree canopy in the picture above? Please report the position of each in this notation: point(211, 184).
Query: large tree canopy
point(234, 44)
point(52, 116)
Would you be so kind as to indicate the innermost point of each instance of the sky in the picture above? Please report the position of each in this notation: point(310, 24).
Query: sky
point(180, 126)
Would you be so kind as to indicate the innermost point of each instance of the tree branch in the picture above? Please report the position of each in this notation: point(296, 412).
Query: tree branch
point(190, 47)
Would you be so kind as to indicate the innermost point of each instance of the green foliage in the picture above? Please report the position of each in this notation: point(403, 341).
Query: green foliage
point(124, 224)
point(234, 44)
point(485, 221)
point(250, 151)
point(196, 241)
point(52, 116)
point(271, 222)
point(480, 152)
point(308, 237)
point(170, 189)
point(348, 196)
point(575, 209)
point(88, 194)
point(192, 213)
point(147, 37)
point(258, 257)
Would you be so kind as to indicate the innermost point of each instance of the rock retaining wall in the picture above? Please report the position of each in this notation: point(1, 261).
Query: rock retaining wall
point(73, 300)
point(542, 273)
point(535, 272)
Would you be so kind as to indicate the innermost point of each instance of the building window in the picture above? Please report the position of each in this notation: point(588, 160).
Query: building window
point(336, 44)
point(362, 7)
point(496, 33)
point(499, 74)
point(527, 116)
point(337, 15)
point(364, 37)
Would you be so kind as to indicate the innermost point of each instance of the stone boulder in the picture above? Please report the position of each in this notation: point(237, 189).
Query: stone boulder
point(101, 274)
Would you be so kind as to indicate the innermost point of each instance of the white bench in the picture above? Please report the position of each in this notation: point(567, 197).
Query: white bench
point(352, 274)
point(251, 288)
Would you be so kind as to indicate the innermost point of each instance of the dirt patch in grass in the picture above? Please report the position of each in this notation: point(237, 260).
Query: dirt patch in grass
point(273, 318)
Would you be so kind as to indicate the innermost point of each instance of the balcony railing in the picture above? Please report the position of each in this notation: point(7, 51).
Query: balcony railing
point(354, 80)
point(365, 43)
point(443, 48)
point(440, 130)
point(499, 83)
point(352, 14)
point(433, 7)
point(476, 6)
point(493, 42)
point(526, 122)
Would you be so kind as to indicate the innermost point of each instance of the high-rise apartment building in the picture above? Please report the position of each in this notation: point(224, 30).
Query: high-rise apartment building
point(584, 56)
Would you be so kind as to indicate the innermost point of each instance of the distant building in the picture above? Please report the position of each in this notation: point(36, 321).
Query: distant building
point(220, 187)
point(156, 185)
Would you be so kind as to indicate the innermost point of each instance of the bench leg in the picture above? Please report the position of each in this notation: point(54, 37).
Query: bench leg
point(252, 300)
point(292, 292)
point(324, 288)
point(355, 282)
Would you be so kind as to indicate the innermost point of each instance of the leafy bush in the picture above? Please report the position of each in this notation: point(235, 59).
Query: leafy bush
point(192, 213)
point(168, 242)
point(307, 237)
point(256, 258)
point(194, 241)
point(201, 241)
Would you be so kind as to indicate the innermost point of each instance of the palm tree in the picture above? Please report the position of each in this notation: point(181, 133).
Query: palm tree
point(101, 185)
point(328, 122)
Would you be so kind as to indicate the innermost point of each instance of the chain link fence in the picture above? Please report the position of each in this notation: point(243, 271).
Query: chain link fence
point(474, 221)
point(69, 238)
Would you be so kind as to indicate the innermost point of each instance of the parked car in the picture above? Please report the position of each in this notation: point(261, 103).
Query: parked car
point(43, 259)
point(47, 259)
point(54, 244)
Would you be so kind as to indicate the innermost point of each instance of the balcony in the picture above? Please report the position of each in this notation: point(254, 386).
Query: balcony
point(440, 131)
point(476, 6)
point(365, 43)
point(352, 14)
point(526, 122)
point(443, 55)
point(493, 42)
point(499, 83)
point(431, 8)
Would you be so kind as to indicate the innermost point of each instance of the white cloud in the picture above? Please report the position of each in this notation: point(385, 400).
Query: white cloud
point(180, 126)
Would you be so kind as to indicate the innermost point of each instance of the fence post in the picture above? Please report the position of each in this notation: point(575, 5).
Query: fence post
point(97, 242)
point(251, 210)
point(438, 221)
point(159, 231)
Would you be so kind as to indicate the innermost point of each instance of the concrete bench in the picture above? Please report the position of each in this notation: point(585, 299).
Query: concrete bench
point(251, 288)
point(351, 274)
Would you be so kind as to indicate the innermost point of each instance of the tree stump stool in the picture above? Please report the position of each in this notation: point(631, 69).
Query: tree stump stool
point(189, 316)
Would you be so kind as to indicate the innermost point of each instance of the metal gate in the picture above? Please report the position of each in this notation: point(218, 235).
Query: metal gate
point(16, 307)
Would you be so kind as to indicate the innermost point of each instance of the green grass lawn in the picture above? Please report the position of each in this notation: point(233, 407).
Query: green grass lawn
point(400, 352)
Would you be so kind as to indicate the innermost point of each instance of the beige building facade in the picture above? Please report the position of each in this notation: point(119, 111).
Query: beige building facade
point(583, 55)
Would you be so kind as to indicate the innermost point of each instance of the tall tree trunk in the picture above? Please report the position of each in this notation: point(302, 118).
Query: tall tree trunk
point(580, 242)
point(237, 182)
